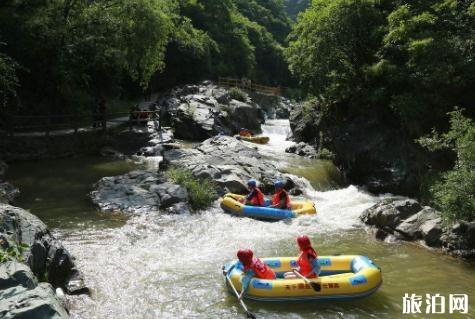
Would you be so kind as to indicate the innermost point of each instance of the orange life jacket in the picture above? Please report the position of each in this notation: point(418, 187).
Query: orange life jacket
point(276, 198)
point(245, 133)
point(258, 198)
point(261, 269)
point(305, 264)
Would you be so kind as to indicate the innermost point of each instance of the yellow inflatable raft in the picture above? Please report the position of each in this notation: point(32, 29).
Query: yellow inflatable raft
point(254, 139)
point(341, 278)
point(230, 204)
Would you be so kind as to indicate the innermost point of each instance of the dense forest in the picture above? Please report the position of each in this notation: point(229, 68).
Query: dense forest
point(58, 56)
point(403, 65)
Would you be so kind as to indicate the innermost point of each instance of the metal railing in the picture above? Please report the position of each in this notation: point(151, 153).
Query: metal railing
point(249, 85)
point(70, 123)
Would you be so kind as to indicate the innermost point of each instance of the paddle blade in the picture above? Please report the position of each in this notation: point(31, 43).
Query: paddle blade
point(250, 315)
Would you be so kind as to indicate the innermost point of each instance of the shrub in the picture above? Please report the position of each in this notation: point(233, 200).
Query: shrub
point(201, 192)
point(237, 94)
point(14, 252)
point(454, 193)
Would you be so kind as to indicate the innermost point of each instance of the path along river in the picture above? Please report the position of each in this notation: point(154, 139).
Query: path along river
point(170, 266)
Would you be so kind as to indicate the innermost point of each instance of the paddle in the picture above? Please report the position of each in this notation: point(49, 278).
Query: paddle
point(249, 314)
point(315, 286)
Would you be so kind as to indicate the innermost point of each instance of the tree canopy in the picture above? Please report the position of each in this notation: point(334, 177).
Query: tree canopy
point(413, 59)
point(59, 55)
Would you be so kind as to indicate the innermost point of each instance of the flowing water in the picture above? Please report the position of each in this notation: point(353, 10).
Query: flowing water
point(170, 266)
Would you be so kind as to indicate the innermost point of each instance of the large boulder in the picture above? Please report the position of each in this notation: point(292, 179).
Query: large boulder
point(139, 192)
point(13, 274)
point(197, 112)
point(21, 297)
point(411, 227)
point(46, 255)
point(275, 107)
point(406, 219)
point(459, 240)
point(302, 149)
point(390, 212)
point(230, 163)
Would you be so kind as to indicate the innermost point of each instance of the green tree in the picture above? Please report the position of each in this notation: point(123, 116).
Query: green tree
point(268, 13)
point(67, 47)
point(427, 61)
point(332, 45)
point(454, 193)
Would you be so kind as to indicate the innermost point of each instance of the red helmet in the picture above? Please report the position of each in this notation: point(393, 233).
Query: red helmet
point(304, 242)
point(245, 256)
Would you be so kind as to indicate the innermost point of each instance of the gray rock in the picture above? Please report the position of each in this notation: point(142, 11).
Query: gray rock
point(22, 297)
point(46, 253)
point(137, 192)
point(406, 219)
point(411, 227)
point(197, 112)
point(129, 193)
point(276, 107)
point(390, 212)
point(459, 240)
point(302, 149)
point(37, 303)
point(432, 231)
point(170, 194)
point(14, 274)
point(230, 163)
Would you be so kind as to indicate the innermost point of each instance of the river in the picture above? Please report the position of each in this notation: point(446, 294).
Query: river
point(169, 266)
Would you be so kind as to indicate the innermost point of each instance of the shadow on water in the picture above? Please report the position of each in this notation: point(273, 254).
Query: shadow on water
point(57, 190)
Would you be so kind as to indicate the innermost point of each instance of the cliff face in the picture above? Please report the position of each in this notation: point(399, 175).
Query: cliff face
point(370, 148)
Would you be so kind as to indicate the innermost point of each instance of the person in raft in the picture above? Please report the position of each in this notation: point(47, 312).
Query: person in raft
point(281, 198)
point(255, 196)
point(245, 132)
point(307, 262)
point(252, 267)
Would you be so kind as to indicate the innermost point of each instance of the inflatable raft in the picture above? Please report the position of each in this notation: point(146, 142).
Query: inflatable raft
point(230, 204)
point(254, 139)
point(341, 278)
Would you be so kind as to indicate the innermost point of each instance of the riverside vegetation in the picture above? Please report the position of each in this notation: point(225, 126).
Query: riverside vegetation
point(383, 75)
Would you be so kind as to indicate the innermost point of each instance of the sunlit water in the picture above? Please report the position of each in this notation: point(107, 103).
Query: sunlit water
point(169, 266)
